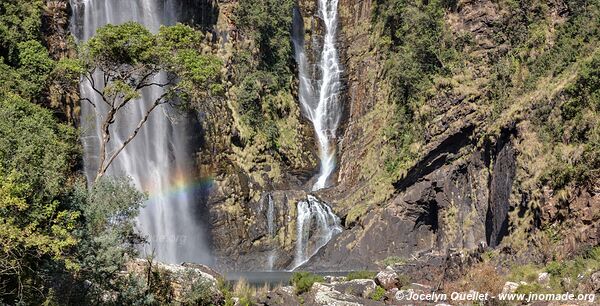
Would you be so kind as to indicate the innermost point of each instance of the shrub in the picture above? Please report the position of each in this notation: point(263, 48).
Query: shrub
point(198, 291)
point(378, 294)
point(392, 261)
point(303, 281)
point(528, 273)
point(360, 275)
point(243, 292)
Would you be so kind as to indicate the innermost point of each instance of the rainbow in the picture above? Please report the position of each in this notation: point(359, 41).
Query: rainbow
point(180, 186)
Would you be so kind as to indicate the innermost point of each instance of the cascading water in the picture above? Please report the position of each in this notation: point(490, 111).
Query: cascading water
point(316, 223)
point(271, 230)
point(323, 107)
point(159, 159)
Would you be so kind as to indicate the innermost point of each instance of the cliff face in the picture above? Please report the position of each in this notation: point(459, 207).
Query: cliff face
point(472, 175)
point(470, 183)
point(243, 168)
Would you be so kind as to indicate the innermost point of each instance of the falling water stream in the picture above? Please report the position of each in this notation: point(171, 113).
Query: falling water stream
point(159, 159)
point(316, 223)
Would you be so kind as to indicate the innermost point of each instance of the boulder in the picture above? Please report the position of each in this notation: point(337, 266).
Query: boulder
point(595, 281)
point(358, 287)
point(544, 278)
point(321, 294)
point(387, 278)
point(282, 296)
point(510, 287)
point(182, 277)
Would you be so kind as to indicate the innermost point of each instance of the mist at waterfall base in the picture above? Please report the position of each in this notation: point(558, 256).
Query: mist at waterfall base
point(159, 160)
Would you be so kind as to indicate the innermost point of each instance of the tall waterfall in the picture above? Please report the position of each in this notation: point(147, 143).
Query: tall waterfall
point(316, 223)
point(159, 159)
point(321, 104)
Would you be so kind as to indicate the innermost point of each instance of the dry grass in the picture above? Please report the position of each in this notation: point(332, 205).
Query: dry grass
point(483, 277)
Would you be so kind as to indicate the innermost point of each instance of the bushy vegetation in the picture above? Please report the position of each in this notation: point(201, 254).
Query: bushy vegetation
point(303, 281)
point(63, 241)
point(417, 48)
point(360, 275)
point(378, 294)
point(263, 74)
point(392, 261)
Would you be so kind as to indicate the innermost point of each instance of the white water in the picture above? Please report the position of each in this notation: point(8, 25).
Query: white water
point(323, 106)
point(315, 226)
point(271, 230)
point(160, 156)
point(316, 223)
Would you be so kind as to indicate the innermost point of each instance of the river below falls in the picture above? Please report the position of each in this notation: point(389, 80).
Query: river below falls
point(271, 278)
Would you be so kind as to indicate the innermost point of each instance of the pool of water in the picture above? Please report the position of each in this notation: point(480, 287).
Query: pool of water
point(271, 278)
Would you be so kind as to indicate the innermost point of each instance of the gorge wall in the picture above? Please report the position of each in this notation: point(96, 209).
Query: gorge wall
point(464, 182)
point(463, 162)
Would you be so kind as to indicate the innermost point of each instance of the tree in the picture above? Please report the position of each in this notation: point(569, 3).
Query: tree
point(36, 159)
point(122, 60)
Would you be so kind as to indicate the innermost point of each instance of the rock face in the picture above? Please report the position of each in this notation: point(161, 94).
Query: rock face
point(181, 277)
point(282, 296)
point(446, 201)
point(462, 191)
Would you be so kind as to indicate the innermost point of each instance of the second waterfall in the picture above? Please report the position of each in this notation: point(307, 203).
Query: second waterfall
point(320, 98)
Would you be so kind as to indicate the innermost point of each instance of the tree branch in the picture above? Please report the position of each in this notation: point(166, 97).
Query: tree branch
point(103, 167)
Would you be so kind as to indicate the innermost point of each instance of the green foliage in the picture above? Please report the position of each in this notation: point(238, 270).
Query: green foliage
point(392, 261)
point(360, 275)
point(113, 45)
point(531, 288)
point(225, 289)
point(576, 125)
point(131, 56)
point(20, 21)
point(109, 210)
point(378, 294)
point(197, 291)
point(35, 146)
point(38, 229)
point(35, 65)
point(565, 275)
point(270, 23)
point(527, 273)
point(303, 281)
point(419, 50)
point(264, 74)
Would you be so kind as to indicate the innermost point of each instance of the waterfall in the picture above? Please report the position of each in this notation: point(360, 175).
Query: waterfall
point(323, 106)
point(317, 222)
point(271, 230)
point(271, 217)
point(159, 159)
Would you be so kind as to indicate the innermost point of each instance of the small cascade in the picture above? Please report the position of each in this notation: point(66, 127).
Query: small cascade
point(271, 217)
point(316, 225)
point(271, 230)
